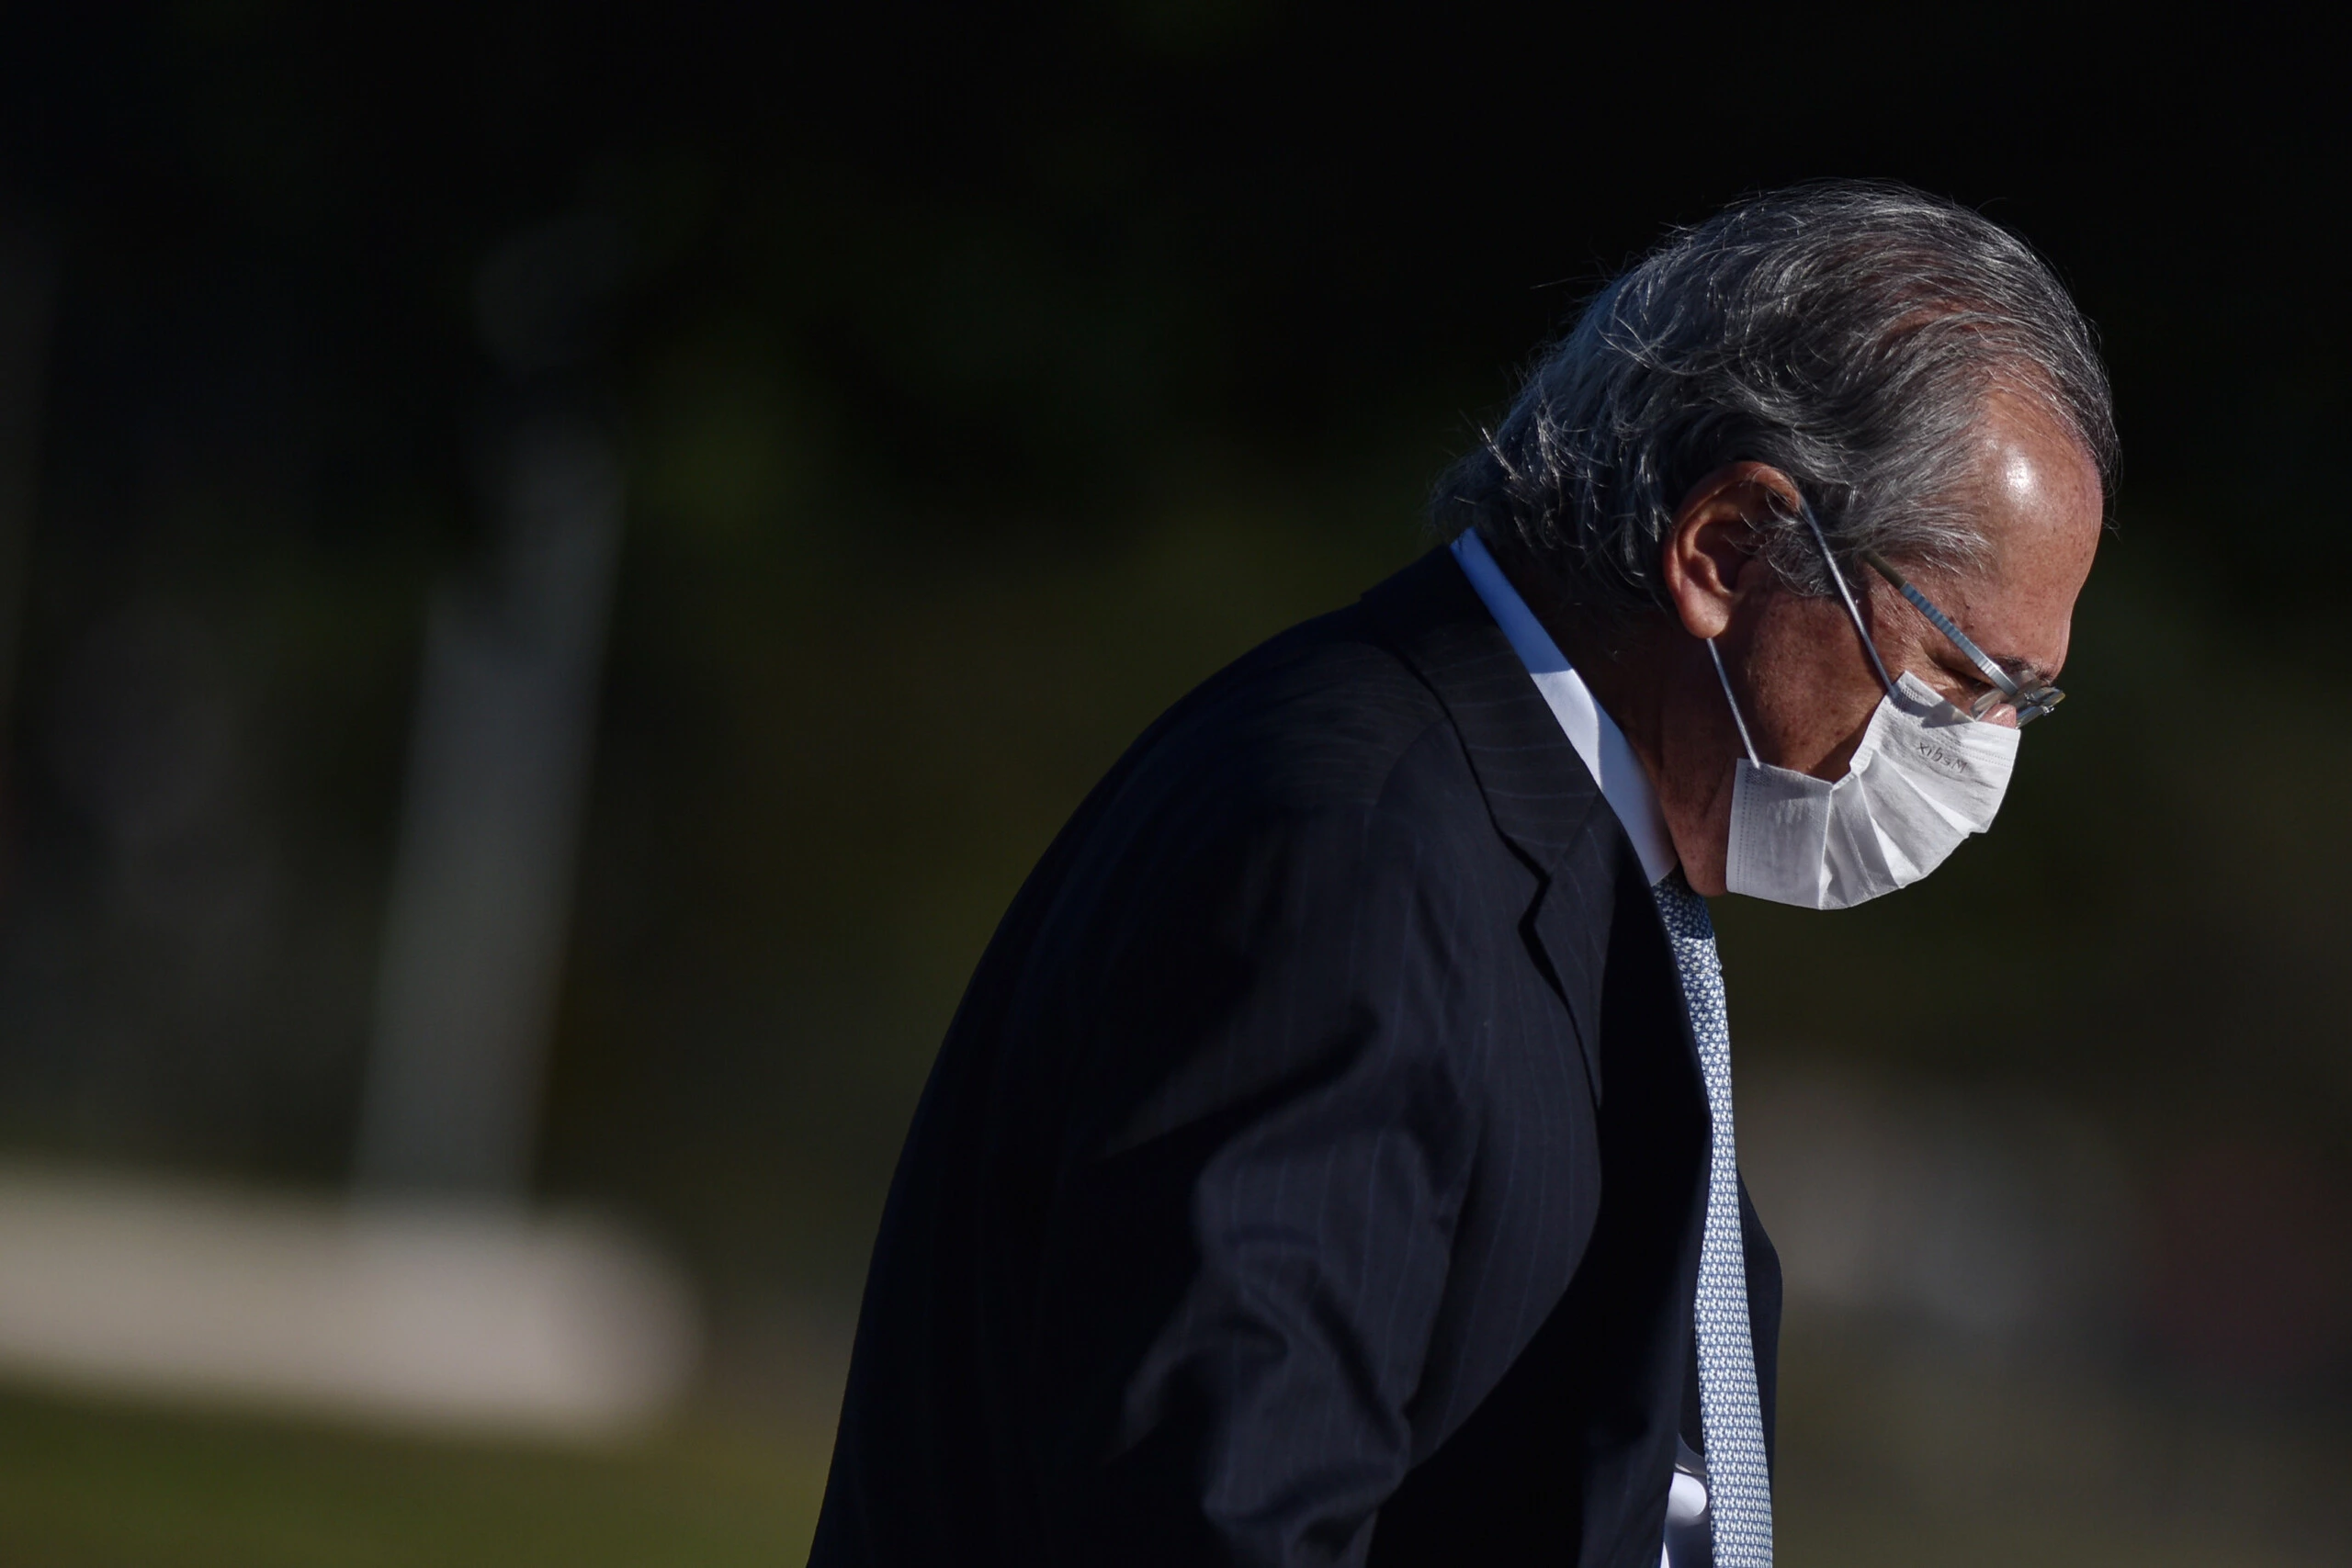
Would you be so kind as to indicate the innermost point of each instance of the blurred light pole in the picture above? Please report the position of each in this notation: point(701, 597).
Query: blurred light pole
point(498, 759)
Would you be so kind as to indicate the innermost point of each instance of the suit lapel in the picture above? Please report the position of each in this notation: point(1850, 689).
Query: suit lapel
point(1542, 799)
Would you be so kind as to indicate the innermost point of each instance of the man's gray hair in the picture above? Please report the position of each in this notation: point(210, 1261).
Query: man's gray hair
point(1845, 333)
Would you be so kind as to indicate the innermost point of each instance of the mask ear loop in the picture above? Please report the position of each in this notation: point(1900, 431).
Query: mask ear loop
point(1844, 593)
point(1737, 718)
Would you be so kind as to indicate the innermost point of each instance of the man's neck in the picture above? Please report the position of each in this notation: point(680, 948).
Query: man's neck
point(1635, 673)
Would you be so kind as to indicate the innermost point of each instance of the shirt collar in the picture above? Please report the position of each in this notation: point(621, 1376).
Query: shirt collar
point(1595, 735)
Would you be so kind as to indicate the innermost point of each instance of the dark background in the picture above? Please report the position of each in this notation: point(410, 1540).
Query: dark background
point(986, 380)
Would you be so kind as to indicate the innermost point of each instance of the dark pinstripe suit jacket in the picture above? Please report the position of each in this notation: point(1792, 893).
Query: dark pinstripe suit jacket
point(1314, 1170)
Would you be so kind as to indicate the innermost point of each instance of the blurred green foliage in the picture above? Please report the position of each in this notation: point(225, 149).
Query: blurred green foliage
point(89, 1484)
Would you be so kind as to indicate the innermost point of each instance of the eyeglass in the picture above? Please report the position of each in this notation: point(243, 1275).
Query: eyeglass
point(2030, 697)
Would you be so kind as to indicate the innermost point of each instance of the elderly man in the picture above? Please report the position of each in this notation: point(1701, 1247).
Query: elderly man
point(1332, 1159)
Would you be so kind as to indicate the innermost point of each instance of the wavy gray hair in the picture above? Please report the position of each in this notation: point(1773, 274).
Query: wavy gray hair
point(1845, 333)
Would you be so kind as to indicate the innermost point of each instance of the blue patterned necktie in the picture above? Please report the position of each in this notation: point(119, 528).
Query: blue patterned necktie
point(1739, 1488)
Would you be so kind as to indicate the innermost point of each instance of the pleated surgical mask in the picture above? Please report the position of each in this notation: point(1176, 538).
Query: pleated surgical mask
point(1925, 776)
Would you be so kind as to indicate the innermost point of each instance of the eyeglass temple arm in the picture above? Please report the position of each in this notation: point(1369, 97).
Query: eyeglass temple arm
point(1853, 610)
point(1942, 623)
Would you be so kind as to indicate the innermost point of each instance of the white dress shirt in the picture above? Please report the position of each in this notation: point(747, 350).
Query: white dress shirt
point(1589, 729)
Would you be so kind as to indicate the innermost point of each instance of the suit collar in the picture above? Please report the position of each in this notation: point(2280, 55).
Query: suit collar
point(1600, 744)
point(1541, 797)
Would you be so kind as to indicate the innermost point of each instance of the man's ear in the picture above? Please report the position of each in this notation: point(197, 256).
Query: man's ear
point(1710, 561)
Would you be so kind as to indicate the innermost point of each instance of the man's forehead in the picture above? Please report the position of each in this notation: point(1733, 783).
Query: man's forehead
point(2040, 508)
point(2033, 470)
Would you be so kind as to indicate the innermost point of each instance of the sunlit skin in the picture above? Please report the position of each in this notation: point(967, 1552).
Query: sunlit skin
point(1804, 680)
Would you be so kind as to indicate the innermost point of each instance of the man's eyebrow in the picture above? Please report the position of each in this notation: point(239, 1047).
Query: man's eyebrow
point(2025, 671)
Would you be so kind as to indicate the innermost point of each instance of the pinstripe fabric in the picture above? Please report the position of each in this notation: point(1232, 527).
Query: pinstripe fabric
point(1313, 1171)
point(1738, 1483)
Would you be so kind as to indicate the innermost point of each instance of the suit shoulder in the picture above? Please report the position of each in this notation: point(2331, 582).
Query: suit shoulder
point(1322, 716)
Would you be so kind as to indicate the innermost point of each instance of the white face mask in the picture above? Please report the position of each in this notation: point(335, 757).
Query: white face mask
point(1925, 776)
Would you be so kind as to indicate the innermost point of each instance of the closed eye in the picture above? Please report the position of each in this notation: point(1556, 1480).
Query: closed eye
point(1969, 680)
